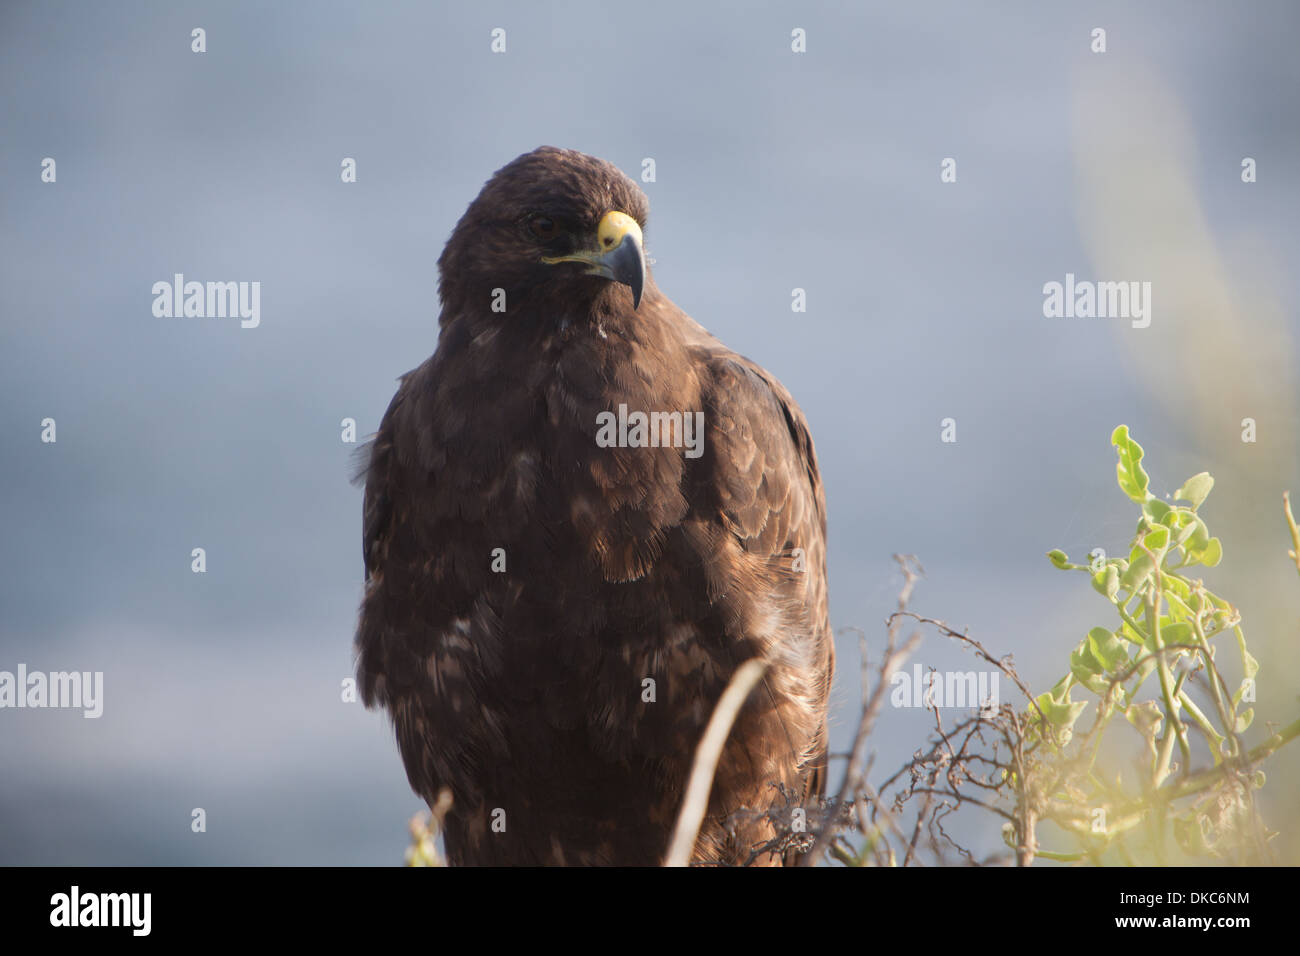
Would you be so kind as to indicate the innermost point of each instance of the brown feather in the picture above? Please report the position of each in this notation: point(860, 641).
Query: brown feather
point(522, 690)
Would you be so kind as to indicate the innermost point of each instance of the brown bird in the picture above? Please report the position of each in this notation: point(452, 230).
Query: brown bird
point(582, 514)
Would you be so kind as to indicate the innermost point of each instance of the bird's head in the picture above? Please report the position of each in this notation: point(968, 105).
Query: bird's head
point(553, 226)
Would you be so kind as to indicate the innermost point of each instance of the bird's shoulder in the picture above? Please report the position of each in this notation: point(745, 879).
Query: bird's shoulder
point(760, 454)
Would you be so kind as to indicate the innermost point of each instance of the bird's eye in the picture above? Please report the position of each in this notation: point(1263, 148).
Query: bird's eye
point(542, 227)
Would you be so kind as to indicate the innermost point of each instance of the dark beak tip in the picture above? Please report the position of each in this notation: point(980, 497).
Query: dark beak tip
point(629, 268)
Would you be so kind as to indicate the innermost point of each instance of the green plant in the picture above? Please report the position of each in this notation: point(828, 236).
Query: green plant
point(1169, 625)
point(1172, 781)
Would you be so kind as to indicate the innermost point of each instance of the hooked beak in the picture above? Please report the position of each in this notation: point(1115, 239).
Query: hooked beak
point(618, 255)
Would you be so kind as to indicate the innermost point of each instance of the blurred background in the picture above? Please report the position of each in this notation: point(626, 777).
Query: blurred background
point(775, 170)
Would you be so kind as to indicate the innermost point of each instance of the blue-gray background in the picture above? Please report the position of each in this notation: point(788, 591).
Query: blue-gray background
point(774, 170)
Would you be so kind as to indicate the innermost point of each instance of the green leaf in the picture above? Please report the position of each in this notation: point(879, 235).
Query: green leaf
point(1195, 489)
point(1249, 666)
point(1141, 563)
point(1186, 528)
point(1106, 581)
point(1059, 558)
point(1139, 569)
point(1157, 540)
point(1244, 719)
point(1131, 635)
point(1212, 554)
point(1145, 716)
point(1087, 669)
point(1157, 511)
point(1200, 536)
point(1133, 481)
point(1057, 706)
point(1064, 715)
point(1178, 608)
point(1094, 682)
point(1107, 648)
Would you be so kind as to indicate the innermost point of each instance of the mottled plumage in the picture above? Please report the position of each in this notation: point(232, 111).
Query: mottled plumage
point(522, 689)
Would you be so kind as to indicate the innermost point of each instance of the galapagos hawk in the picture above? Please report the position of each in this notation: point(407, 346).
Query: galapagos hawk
point(581, 515)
